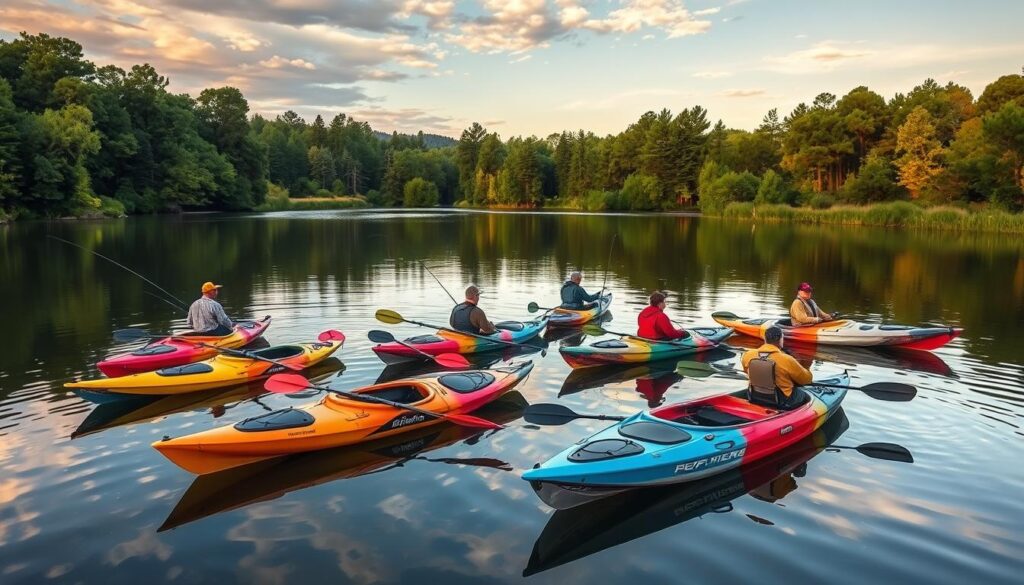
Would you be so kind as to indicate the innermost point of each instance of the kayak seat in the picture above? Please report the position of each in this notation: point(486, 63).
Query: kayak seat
point(509, 326)
point(399, 394)
point(784, 322)
point(709, 416)
point(279, 352)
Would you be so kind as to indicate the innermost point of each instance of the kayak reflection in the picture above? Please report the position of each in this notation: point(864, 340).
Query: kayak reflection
point(880, 357)
point(572, 336)
point(115, 410)
point(272, 478)
point(653, 379)
point(586, 529)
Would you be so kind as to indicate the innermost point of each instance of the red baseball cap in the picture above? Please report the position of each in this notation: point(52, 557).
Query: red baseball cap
point(805, 287)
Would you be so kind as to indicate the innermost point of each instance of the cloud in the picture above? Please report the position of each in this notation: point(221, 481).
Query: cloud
point(742, 93)
point(277, 62)
point(525, 25)
point(712, 74)
point(832, 55)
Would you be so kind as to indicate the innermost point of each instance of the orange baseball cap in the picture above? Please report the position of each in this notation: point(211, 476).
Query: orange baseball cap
point(208, 286)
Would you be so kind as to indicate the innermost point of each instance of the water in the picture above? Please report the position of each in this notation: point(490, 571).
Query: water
point(85, 499)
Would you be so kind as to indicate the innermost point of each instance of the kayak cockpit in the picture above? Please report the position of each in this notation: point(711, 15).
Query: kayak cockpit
point(718, 411)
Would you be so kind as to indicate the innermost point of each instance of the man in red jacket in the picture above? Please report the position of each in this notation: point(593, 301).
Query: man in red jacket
point(653, 323)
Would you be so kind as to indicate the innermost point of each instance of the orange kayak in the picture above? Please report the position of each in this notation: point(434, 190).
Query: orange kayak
point(335, 420)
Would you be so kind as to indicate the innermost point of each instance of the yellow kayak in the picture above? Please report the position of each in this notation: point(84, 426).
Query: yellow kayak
point(218, 372)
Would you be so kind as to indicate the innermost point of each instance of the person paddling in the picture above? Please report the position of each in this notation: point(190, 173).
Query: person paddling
point(804, 311)
point(573, 295)
point(468, 317)
point(774, 373)
point(653, 323)
point(206, 316)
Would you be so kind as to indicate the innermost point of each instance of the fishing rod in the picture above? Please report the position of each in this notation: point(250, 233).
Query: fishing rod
point(179, 304)
point(424, 264)
point(609, 262)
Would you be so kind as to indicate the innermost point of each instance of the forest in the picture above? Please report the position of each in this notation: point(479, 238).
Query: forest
point(78, 139)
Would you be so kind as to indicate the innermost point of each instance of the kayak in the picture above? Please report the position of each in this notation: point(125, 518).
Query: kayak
point(445, 341)
point(269, 479)
point(845, 332)
point(684, 442)
point(115, 410)
point(336, 421)
point(578, 532)
point(631, 350)
point(180, 349)
point(218, 372)
point(573, 318)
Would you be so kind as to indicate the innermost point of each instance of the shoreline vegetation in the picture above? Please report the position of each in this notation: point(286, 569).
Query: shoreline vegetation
point(82, 140)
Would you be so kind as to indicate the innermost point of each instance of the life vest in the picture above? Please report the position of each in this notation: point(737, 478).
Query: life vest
point(761, 372)
point(811, 306)
point(568, 293)
point(459, 319)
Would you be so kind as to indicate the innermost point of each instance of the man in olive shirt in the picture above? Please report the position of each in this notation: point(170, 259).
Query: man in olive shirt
point(206, 316)
point(468, 317)
point(804, 311)
point(761, 363)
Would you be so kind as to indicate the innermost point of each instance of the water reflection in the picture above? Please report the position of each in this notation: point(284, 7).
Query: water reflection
point(590, 528)
point(270, 479)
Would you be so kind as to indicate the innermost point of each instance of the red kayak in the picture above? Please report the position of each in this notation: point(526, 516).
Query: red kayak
point(181, 349)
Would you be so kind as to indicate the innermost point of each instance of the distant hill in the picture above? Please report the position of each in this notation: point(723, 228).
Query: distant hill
point(430, 140)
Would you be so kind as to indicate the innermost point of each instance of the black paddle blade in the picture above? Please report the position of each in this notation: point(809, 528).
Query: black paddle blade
point(593, 330)
point(548, 414)
point(378, 336)
point(886, 451)
point(532, 307)
point(890, 391)
point(131, 334)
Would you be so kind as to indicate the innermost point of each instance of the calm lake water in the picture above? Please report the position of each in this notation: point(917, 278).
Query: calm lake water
point(85, 499)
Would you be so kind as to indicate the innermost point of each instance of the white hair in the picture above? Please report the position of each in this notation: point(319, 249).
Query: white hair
point(575, 274)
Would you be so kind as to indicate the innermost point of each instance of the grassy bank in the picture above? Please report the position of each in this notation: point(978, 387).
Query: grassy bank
point(896, 214)
point(312, 203)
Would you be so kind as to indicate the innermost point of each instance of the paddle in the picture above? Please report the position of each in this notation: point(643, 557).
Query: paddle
point(290, 383)
point(533, 307)
point(447, 360)
point(393, 318)
point(137, 334)
point(887, 391)
point(556, 414)
point(886, 451)
point(325, 336)
point(595, 330)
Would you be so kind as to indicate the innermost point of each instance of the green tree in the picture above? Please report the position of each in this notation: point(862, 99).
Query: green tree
point(875, 181)
point(773, 189)
point(919, 149)
point(467, 152)
point(321, 165)
point(1005, 130)
point(1008, 88)
point(419, 192)
point(642, 192)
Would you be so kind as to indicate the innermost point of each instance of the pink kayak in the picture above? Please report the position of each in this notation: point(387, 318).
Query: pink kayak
point(181, 349)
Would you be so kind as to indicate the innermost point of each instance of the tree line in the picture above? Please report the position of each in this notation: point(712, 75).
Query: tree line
point(78, 138)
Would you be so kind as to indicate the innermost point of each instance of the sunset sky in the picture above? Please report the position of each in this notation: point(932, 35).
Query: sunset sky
point(537, 66)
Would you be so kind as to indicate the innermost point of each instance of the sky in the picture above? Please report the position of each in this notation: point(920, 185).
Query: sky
point(522, 67)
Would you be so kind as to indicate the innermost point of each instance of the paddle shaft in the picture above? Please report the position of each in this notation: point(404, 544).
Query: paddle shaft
point(478, 336)
point(370, 398)
point(252, 356)
point(607, 265)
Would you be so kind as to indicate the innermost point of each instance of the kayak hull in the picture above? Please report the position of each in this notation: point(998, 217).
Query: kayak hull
point(575, 318)
point(846, 332)
point(218, 372)
point(336, 421)
point(176, 351)
point(453, 342)
point(687, 441)
point(635, 351)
